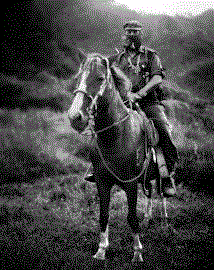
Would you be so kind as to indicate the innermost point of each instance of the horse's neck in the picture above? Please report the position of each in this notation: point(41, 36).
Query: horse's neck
point(110, 110)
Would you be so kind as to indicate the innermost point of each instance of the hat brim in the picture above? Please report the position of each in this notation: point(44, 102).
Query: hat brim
point(131, 28)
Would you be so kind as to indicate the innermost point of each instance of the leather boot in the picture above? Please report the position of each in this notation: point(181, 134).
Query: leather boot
point(168, 188)
point(167, 184)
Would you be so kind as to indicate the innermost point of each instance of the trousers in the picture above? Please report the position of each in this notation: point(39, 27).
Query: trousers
point(157, 114)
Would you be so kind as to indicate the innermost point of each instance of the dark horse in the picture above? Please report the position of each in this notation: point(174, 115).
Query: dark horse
point(118, 136)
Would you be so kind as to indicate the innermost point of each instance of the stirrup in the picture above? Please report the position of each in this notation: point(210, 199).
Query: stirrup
point(90, 178)
point(164, 187)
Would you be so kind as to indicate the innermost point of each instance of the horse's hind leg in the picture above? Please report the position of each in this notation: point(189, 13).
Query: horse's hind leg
point(137, 249)
point(163, 207)
point(104, 189)
point(149, 202)
point(148, 209)
point(165, 225)
point(164, 214)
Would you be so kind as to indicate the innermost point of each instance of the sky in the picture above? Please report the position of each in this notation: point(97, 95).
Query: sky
point(169, 7)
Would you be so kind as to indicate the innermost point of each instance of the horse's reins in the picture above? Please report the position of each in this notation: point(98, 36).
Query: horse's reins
point(94, 134)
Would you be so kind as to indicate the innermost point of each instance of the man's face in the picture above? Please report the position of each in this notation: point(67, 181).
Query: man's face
point(132, 39)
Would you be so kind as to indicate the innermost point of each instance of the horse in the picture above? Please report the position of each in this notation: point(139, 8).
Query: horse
point(118, 134)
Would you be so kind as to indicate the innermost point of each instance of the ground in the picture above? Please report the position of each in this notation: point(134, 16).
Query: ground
point(56, 221)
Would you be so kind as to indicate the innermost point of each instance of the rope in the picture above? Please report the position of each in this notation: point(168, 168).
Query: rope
point(94, 134)
point(114, 124)
point(130, 180)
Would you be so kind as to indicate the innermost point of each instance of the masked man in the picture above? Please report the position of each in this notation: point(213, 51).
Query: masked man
point(143, 67)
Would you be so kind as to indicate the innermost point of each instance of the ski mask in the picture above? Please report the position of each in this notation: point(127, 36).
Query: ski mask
point(132, 42)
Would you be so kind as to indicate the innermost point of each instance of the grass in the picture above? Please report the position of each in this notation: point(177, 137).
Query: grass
point(56, 220)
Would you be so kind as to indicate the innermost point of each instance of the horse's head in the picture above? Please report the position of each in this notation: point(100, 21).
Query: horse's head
point(93, 76)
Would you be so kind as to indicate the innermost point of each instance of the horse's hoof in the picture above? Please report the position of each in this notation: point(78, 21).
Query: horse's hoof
point(146, 221)
point(169, 228)
point(165, 226)
point(137, 257)
point(172, 229)
point(100, 255)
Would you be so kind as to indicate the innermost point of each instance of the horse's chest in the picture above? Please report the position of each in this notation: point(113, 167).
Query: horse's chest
point(135, 126)
point(133, 131)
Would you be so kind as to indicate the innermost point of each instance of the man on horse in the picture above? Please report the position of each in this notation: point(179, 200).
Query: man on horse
point(143, 67)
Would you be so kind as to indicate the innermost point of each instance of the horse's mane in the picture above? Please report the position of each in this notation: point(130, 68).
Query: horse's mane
point(121, 81)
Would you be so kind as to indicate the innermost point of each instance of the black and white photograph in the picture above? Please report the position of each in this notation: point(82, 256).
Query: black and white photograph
point(107, 134)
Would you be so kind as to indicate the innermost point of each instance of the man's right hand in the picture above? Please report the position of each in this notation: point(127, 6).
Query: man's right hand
point(142, 93)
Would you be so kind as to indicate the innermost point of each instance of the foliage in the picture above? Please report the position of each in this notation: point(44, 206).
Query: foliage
point(38, 76)
point(25, 148)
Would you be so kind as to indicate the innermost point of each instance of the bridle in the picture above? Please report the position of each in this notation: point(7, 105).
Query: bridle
point(90, 111)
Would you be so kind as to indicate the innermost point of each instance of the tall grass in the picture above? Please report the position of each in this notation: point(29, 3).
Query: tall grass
point(28, 147)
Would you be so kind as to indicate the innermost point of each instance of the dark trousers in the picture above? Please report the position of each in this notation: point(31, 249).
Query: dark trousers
point(157, 114)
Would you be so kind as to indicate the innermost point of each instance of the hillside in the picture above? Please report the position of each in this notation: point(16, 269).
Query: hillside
point(45, 57)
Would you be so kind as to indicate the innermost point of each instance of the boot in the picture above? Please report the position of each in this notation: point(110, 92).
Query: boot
point(168, 188)
point(166, 185)
point(161, 163)
point(90, 176)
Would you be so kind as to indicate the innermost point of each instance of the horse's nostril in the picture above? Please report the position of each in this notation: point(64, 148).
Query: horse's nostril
point(74, 118)
point(78, 123)
point(78, 118)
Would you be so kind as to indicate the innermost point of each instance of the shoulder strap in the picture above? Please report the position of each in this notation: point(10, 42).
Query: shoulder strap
point(119, 56)
point(115, 58)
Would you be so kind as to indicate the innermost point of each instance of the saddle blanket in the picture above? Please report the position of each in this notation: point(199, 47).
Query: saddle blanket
point(148, 126)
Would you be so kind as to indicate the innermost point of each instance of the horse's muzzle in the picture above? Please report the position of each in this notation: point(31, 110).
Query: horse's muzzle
point(77, 123)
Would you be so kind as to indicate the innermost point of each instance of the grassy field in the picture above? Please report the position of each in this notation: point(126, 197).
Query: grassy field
point(54, 224)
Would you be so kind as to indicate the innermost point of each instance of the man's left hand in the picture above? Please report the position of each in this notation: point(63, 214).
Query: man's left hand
point(133, 96)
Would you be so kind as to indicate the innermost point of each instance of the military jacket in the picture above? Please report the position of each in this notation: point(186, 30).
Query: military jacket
point(144, 65)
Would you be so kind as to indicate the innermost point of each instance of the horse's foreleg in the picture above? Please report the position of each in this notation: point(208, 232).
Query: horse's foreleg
point(104, 189)
point(131, 192)
point(137, 249)
point(103, 245)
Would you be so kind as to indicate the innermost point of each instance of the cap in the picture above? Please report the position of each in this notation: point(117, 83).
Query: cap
point(135, 25)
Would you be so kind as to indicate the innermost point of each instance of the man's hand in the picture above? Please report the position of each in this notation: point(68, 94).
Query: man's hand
point(142, 93)
point(133, 96)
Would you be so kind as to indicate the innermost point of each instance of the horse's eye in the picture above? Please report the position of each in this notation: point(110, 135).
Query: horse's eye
point(100, 79)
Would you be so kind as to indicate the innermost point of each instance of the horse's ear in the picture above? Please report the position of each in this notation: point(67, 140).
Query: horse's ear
point(81, 55)
point(105, 63)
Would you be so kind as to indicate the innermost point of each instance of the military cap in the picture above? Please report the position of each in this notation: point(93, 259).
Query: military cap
point(135, 25)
